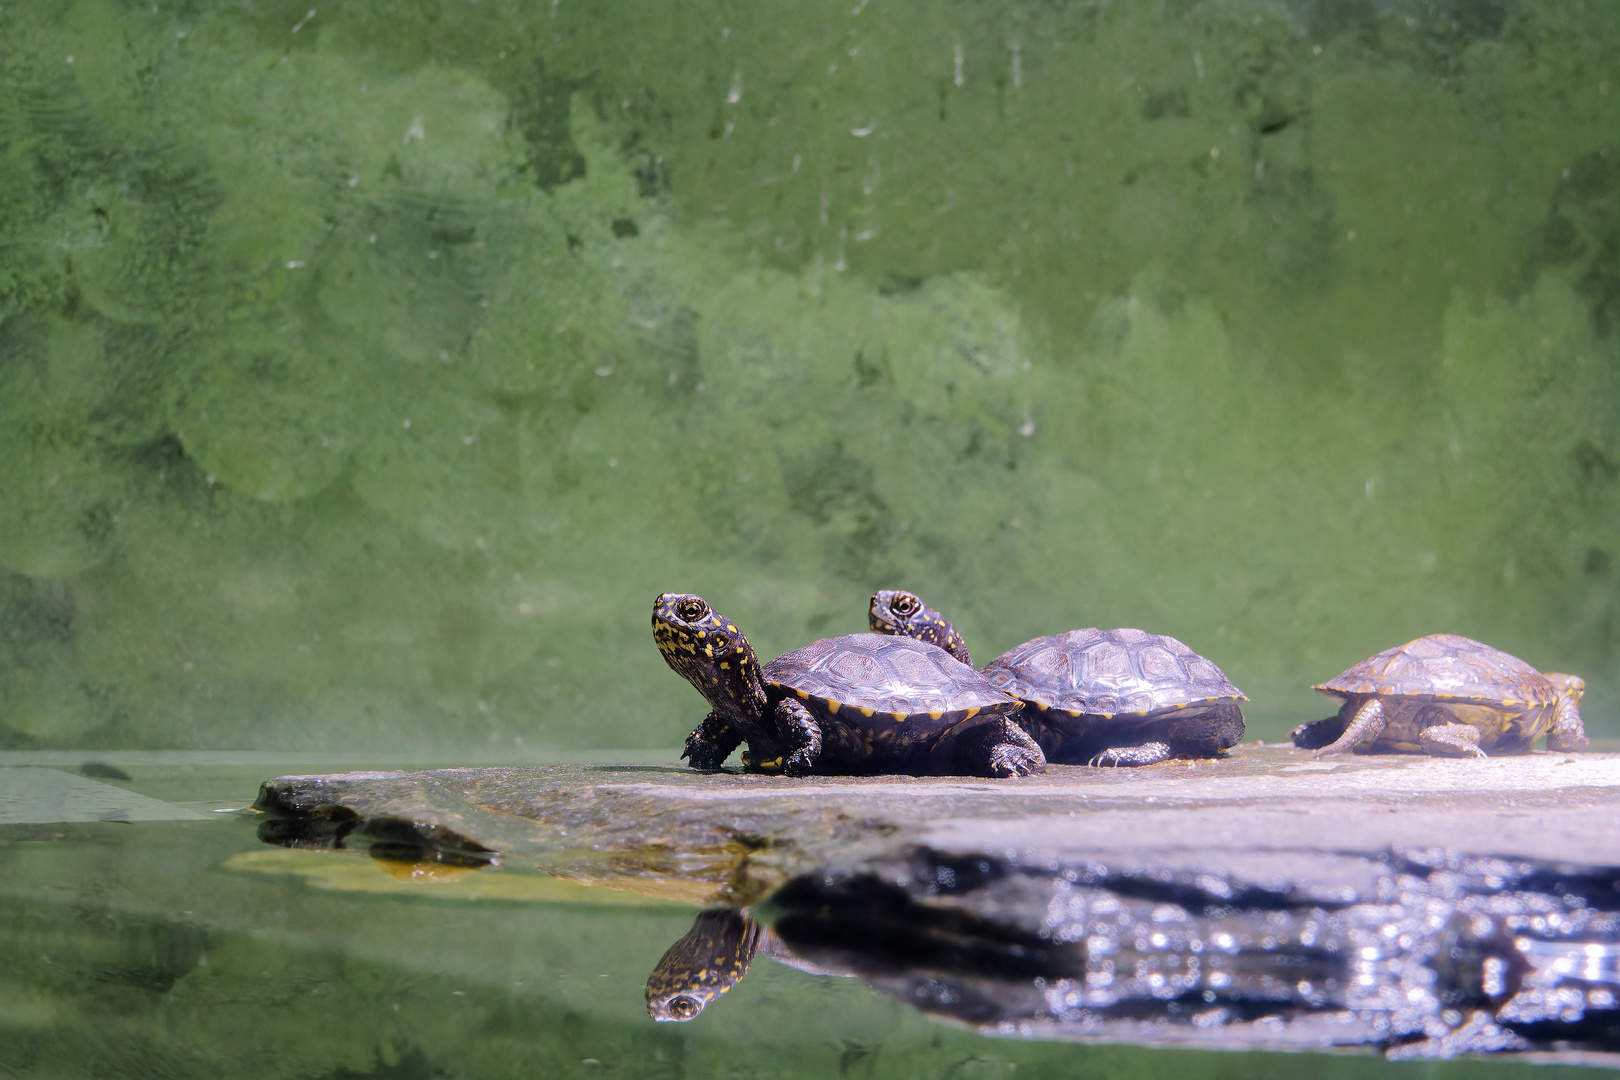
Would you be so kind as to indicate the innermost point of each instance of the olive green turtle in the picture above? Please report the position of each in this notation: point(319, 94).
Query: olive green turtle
point(1449, 696)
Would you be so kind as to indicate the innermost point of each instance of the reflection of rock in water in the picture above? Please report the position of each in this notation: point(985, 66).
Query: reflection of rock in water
point(1423, 953)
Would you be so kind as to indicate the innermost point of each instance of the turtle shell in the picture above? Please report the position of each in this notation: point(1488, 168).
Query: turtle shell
point(1449, 667)
point(1109, 673)
point(878, 680)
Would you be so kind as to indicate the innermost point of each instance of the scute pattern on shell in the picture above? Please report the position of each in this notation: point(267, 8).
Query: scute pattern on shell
point(884, 673)
point(1445, 665)
point(1109, 673)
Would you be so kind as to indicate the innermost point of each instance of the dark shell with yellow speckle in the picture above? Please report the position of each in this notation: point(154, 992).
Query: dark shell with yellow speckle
point(898, 695)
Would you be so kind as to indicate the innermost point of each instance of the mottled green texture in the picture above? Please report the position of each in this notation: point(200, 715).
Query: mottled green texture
point(364, 374)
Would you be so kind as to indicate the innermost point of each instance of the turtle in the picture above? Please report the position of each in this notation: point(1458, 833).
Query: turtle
point(862, 703)
point(1103, 697)
point(1448, 696)
point(710, 959)
point(895, 611)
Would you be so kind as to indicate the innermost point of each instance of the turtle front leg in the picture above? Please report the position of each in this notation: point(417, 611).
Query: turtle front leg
point(1364, 727)
point(1450, 740)
point(711, 743)
point(998, 750)
point(1148, 753)
point(800, 737)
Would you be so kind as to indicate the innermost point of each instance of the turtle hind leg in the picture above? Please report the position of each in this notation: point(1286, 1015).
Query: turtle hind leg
point(998, 750)
point(710, 743)
point(1363, 729)
point(1148, 753)
point(1450, 740)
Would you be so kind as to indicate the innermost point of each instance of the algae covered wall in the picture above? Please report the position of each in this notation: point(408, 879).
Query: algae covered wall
point(365, 371)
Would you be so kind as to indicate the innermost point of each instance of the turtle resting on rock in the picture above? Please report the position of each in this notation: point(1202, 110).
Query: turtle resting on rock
point(864, 703)
point(1449, 696)
point(1103, 697)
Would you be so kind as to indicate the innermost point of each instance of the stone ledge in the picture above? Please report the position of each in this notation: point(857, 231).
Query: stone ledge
point(730, 838)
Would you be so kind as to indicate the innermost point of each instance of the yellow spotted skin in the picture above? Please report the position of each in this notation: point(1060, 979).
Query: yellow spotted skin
point(863, 703)
point(895, 611)
point(704, 964)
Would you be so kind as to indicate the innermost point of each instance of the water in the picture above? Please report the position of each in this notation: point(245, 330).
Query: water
point(188, 948)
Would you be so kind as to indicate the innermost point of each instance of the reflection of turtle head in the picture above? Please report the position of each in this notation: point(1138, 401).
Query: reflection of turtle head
point(895, 611)
point(709, 652)
point(701, 966)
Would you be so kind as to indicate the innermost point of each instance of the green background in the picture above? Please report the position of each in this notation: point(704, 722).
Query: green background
point(365, 373)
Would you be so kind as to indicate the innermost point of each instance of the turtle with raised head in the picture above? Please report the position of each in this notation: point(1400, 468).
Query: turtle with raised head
point(863, 703)
point(1099, 697)
point(1448, 696)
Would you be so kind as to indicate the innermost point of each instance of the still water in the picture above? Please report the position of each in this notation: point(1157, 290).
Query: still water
point(171, 942)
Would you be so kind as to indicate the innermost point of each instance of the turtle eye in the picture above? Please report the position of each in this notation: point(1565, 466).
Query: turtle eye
point(691, 609)
point(684, 1008)
point(905, 605)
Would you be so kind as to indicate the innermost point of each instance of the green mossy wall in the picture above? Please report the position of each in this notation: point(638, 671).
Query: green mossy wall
point(365, 373)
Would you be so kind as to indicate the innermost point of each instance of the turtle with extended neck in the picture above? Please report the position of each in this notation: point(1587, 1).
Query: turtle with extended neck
point(1448, 696)
point(1099, 697)
point(863, 703)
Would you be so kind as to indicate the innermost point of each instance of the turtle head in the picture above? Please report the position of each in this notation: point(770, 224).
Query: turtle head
point(1569, 686)
point(708, 651)
point(1568, 732)
point(704, 964)
point(895, 611)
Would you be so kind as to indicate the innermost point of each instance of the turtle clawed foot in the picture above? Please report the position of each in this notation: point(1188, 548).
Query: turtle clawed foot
point(1010, 759)
point(701, 757)
point(798, 763)
point(1560, 743)
point(1146, 754)
point(1451, 740)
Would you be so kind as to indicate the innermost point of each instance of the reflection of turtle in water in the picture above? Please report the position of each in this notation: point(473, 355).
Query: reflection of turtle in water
point(1449, 696)
point(1104, 697)
point(863, 703)
point(711, 959)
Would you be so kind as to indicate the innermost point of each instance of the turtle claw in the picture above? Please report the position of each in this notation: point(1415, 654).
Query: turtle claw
point(710, 743)
point(798, 763)
point(1009, 759)
point(1146, 754)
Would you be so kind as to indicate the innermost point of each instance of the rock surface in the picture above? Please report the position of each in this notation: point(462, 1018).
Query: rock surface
point(1424, 906)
